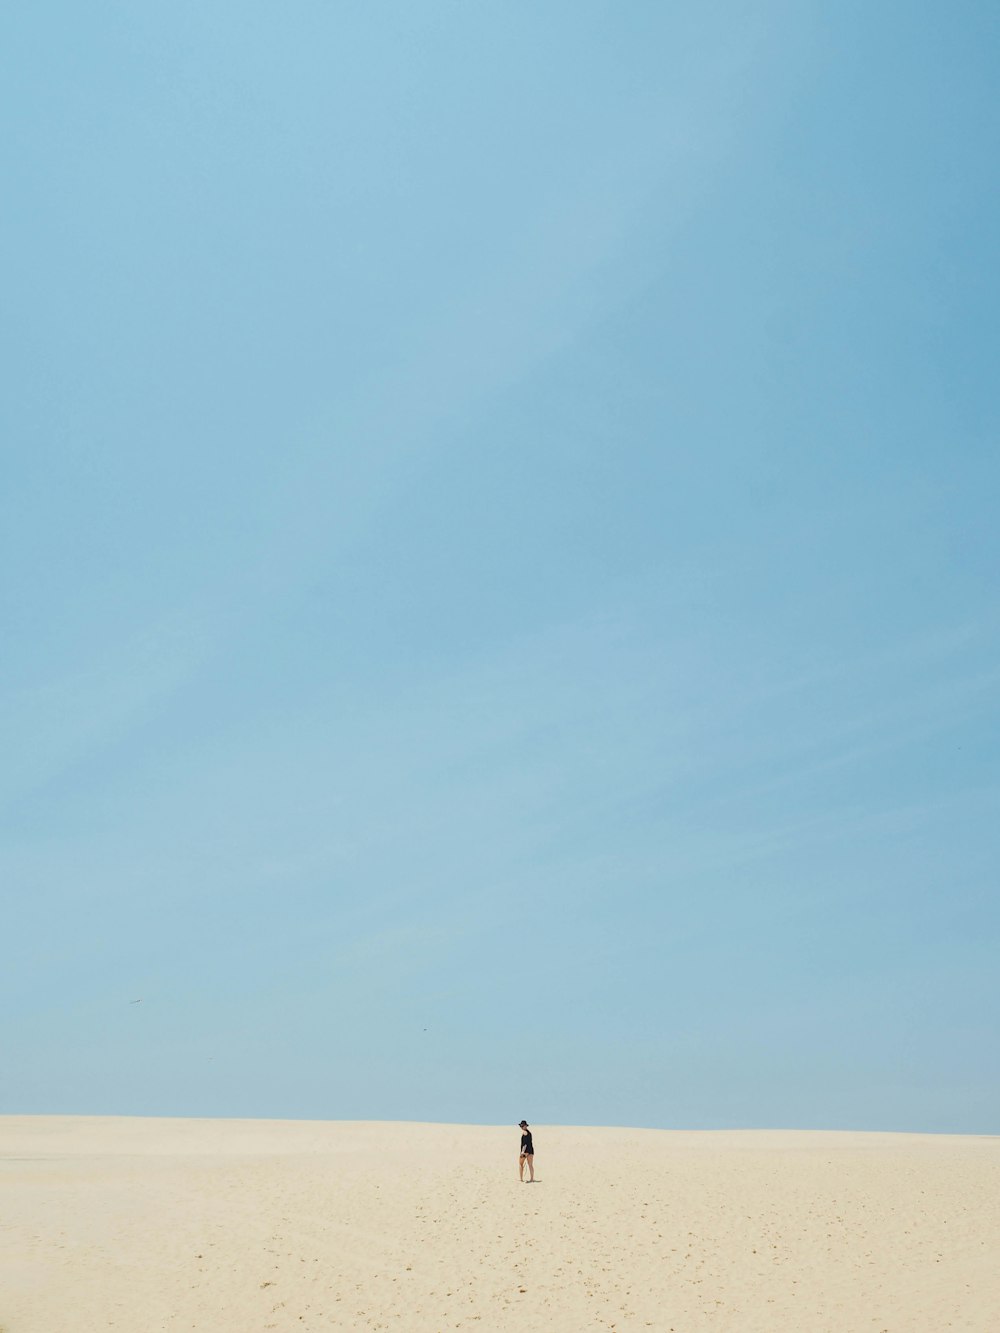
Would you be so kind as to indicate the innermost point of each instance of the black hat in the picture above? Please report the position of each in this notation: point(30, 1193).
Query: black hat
point(523, 1124)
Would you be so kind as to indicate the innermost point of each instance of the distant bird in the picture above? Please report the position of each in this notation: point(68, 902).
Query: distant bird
point(135, 1001)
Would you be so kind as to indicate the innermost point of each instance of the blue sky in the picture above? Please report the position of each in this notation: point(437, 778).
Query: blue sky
point(498, 511)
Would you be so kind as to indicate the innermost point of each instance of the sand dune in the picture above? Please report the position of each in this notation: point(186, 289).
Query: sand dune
point(237, 1226)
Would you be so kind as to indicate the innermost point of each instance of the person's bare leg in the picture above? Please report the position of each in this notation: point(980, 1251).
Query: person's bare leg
point(531, 1168)
point(520, 1164)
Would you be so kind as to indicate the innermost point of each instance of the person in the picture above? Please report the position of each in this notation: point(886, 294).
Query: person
point(527, 1152)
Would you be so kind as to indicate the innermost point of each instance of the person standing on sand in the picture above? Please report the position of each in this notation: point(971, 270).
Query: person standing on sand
point(527, 1152)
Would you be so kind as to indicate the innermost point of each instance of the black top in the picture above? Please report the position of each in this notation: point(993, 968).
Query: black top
point(526, 1144)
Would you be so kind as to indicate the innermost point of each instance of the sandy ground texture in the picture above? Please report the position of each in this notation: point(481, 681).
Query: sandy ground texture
point(238, 1226)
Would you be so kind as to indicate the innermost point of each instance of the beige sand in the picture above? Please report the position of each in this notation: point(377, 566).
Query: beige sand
point(239, 1226)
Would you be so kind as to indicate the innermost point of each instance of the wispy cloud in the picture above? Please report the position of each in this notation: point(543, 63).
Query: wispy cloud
point(56, 723)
